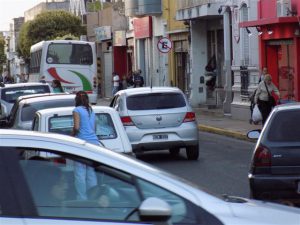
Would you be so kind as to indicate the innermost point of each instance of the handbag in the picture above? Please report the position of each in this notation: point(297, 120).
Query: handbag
point(272, 101)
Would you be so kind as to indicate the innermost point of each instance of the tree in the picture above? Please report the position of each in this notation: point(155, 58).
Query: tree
point(48, 26)
point(94, 6)
point(2, 53)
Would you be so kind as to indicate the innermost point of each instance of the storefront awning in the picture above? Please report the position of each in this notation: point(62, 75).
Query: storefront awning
point(269, 21)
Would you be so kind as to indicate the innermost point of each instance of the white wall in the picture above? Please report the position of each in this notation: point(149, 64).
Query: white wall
point(240, 104)
point(198, 62)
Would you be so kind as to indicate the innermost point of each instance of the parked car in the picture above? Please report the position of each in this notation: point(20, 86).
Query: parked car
point(127, 191)
point(109, 127)
point(24, 109)
point(10, 92)
point(158, 118)
point(275, 167)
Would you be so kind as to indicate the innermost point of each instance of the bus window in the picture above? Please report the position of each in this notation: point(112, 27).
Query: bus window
point(69, 54)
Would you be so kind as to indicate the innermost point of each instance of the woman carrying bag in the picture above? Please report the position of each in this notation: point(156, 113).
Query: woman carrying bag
point(263, 97)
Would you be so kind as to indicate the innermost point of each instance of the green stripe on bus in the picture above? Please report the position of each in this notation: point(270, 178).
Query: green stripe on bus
point(86, 85)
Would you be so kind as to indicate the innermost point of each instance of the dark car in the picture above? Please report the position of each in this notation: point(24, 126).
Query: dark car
point(275, 166)
point(9, 94)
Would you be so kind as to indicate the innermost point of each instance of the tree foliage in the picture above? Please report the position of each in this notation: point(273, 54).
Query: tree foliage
point(94, 6)
point(48, 26)
point(67, 37)
point(2, 53)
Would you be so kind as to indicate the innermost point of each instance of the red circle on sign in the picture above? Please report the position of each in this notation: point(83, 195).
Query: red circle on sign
point(162, 42)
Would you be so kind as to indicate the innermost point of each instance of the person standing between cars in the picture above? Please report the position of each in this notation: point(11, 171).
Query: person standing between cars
point(263, 96)
point(57, 88)
point(116, 83)
point(138, 80)
point(84, 128)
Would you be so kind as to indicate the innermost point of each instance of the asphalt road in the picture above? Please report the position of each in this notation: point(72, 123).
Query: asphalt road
point(221, 169)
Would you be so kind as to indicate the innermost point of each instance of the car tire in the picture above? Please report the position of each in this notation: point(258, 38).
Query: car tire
point(192, 152)
point(174, 151)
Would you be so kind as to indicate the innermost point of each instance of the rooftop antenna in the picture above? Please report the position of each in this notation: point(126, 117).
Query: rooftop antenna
point(151, 80)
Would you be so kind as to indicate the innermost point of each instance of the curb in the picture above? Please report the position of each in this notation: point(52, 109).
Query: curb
point(224, 132)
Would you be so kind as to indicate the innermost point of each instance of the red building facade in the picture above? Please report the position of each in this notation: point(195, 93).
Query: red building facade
point(278, 27)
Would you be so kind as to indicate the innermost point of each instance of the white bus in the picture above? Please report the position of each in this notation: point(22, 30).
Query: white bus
point(73, 63)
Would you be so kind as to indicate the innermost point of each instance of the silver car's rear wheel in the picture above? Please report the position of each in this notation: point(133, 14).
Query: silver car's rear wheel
point(192, 152)
point(174, 151)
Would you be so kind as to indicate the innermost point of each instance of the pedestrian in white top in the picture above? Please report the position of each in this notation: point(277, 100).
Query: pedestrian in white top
point(115, 82)
point(263, 96)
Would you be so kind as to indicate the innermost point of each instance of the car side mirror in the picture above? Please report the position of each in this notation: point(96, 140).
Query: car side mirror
point(254, 134)
point(156, 211)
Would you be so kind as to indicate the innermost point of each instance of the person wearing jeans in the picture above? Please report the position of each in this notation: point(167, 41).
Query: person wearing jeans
point(84, 128)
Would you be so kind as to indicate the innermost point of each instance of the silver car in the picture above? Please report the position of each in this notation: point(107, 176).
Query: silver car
point(24, 109)
point(158, 118)
point(10, 92)
point(41, 190)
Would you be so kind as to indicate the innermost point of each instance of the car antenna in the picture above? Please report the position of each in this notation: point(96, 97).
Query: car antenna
point(151, 81)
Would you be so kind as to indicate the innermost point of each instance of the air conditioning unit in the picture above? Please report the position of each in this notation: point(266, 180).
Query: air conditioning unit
point(284, 8)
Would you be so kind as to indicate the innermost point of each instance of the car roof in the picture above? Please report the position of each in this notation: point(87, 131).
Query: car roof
point(44, 97)
point(287, 106)
point(145, 90)
point(69, 109)
point(24, 85)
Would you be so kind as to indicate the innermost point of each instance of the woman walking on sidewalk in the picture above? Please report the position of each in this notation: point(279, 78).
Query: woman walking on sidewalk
point(263, 96)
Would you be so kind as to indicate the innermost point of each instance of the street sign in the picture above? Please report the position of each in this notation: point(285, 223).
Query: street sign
point(164, 45)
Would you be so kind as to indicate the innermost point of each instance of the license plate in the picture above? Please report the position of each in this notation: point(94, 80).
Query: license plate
point(298, 188)
point(160, 137)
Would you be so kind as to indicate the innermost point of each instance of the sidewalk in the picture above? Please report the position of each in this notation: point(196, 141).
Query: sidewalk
point(214, 121)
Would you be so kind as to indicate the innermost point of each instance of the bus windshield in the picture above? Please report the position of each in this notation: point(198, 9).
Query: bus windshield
point(69, 53)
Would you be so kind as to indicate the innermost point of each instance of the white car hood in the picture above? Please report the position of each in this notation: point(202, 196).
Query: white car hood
point(252, 212)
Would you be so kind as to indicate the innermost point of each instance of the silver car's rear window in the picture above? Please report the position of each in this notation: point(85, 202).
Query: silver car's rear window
point(29, 110)
point(11, 94)
point(155, 101)
point(285, 127)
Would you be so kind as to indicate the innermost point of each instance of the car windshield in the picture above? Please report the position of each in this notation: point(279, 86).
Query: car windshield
point(285, 127)
point(29, 110)
point(11, 94)
point(155, 101)
point(105, 128)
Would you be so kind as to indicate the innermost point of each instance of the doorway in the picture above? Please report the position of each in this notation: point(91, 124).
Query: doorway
point(181, 65)
point(181, 62)
point(280, 63)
